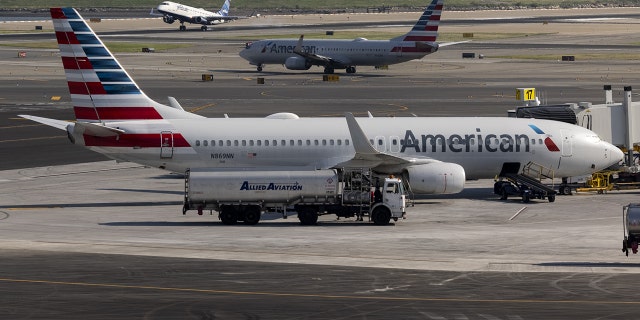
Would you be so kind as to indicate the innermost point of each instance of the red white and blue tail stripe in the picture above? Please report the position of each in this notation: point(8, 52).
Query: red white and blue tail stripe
point(101, 90)
point(426, 29)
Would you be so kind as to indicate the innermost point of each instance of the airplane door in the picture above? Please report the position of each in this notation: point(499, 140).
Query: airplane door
point(166, 145)
point(567, 145)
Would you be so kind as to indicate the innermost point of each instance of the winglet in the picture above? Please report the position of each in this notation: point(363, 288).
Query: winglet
point(360, 141)
point(298, 48)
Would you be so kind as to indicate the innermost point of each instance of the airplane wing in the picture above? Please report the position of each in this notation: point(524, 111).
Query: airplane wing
point(221, 18)
point(58, 124)
point(367, 156)
point(89, 128)
point(444, 44)
point(316, 58)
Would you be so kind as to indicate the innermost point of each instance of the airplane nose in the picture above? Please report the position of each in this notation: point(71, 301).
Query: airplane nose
point(616, 155)
point(243, 54)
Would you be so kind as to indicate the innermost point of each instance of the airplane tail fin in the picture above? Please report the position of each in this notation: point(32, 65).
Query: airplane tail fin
point(426, 29)
point(101, 90)
point(224, 11)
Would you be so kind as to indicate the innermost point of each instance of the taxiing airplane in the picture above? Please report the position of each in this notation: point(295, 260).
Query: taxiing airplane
point(435, 154)
point(295, 54)
point(172, 11)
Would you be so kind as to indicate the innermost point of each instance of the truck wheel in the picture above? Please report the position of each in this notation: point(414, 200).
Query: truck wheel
point(307, 216)
point(228, 215)
point(551, 197)
point(504, 194)
point(525, 198)
point(251, 215)
point(381, 216)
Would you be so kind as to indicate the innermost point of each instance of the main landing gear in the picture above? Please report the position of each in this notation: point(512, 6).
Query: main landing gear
point(182, 26)
point(260, 67)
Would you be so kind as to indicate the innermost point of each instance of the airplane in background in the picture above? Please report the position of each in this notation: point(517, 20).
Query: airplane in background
point(172, 11)
point(295, 54)
point(434, 154)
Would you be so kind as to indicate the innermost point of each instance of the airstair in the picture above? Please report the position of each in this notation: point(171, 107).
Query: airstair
point(527, 184)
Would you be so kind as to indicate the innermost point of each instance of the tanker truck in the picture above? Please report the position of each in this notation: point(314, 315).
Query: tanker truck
point(631, 227)
point(247, 195)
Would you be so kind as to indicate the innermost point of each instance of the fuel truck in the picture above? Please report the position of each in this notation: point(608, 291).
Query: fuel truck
point(246, 195)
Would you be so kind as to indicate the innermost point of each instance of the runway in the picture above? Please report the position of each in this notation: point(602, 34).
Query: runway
point(83, 237)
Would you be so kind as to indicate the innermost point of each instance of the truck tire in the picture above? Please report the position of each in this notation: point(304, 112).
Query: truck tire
point(228, 215)
point(307, 216)
point(551, 197)
point(381, 216)
point(251, 215)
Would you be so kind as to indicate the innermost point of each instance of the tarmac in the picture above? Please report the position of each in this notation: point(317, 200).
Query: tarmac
point(82, 237)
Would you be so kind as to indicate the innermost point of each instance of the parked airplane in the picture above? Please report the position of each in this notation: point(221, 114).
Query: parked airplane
point(172, 11)
point(338, 54)
point(436, 155)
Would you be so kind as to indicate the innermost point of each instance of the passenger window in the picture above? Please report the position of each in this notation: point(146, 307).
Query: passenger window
point(259, 142)
point(266, 143)
point(339, 142)
point(213, 143)
point(251, 143)
point(324, 142)
point(197, 143)
point(346, 142)
point(205, 143)
point(221, 143)
point(228, 143)
point(244, 143)
point(316, 142)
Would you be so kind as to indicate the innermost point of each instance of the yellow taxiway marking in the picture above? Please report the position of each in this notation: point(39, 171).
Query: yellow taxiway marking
point(308, 295)
point(196, 109)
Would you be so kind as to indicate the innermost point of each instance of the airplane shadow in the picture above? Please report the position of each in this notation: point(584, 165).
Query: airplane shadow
point(285, 73)
point(94, 205)
point(146, 191)
point(590, 264)
point(292, 222)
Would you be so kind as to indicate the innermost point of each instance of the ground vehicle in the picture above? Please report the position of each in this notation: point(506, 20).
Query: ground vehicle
point(245, 195)
point(631, 227)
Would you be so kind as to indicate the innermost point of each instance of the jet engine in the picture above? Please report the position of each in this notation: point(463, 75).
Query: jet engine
point(436, 178)
point(201, 20)
point(297, 63)
point(168, 19)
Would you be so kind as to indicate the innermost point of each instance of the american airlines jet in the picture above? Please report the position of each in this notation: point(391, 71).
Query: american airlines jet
point(296, 54)
point(436, 155)
point(172, 11)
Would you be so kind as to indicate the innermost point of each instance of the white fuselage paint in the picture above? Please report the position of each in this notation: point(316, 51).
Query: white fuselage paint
point(358, 52)
point(479, 145)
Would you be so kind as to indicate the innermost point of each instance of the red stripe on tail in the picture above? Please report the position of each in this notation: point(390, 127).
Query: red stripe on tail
point(86, 88)
point(117, 113)
point(56, 13)
point(76, 63)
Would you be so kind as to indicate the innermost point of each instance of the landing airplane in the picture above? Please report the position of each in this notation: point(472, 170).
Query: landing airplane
point(338, 54)
point(436, 155)
point(172, 11)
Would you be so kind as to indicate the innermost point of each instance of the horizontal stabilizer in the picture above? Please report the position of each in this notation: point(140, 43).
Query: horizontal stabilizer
point(97, 130)
point(59, 124)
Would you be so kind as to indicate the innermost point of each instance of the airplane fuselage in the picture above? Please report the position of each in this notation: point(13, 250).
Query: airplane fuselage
point(480, 145)
point(358, 52)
